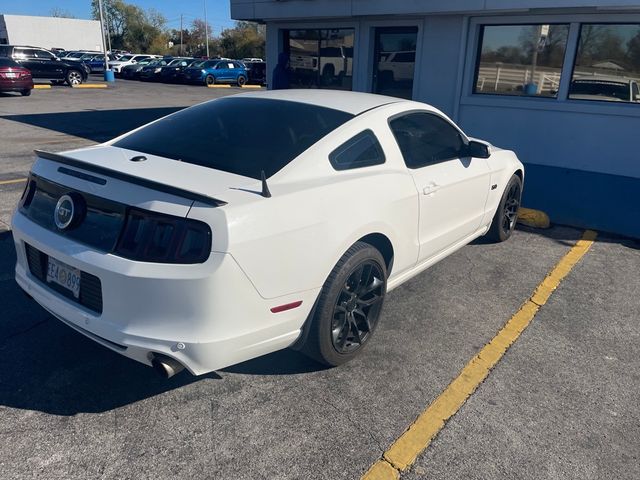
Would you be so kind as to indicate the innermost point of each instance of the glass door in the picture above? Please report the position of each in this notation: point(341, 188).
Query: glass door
point(394, 61)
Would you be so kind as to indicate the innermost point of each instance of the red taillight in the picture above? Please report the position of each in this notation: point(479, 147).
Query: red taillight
point(156, 237)
point(286, 306)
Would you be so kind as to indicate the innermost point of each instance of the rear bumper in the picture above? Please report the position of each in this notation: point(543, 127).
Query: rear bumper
point(15, 85)
point(205, 316)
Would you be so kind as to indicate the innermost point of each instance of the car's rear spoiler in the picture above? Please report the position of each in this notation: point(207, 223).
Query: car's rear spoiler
point(143, 182)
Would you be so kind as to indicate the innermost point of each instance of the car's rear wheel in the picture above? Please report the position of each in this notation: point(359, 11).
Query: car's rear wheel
point(209, 80)
point(241, 80)
point(26, 93)
point(74, 77)
point(349, 306)
point(506, 216)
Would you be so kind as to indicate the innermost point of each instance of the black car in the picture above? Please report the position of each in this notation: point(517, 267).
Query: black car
point(257, 72)
point(173, 71)
point(152, 70)
point(132, 72)
point(44, 64)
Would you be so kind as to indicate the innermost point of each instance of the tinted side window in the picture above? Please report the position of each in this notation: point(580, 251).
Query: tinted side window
point(24, 53)
point(425, 138)
point(363, 150)
point(5, 51)
point(43, 54)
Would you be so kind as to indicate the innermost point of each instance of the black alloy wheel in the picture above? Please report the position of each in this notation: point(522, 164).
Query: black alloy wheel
point(506, 216)
point(511, 206)
point(358, 307)
point(348, 308)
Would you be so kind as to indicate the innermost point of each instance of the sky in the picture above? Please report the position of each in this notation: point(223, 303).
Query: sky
point(218, 14)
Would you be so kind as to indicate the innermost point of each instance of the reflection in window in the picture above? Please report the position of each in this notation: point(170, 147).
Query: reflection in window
point(607, 65)
point(320, 58)
point(395, 58)
point(521, 59)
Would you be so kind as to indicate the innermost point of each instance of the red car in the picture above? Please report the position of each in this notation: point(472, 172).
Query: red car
point(14, 78)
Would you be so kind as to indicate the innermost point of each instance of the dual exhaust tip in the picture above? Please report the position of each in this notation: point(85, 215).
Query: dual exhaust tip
point(165, 366)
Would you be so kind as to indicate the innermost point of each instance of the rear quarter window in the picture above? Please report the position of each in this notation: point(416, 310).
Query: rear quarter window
point(363, 150)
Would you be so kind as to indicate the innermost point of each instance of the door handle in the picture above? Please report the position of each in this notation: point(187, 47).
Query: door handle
point(431, 188)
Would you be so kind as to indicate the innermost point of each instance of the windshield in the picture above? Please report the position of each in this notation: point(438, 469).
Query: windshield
point(609, 89)
point(126, 58)
point(237, 135)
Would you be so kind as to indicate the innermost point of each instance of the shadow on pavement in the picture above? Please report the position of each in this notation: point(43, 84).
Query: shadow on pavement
point(96, 125)
point(284, 362)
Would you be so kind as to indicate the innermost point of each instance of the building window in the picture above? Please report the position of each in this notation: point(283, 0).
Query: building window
point(607, 66)
point(320, 58)
point(521, 59)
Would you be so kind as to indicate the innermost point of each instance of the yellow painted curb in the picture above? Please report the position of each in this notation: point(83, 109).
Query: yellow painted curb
point(381, 470)
point(42, 87)
point(533, 218)
point(15, 180)
point(90, 85)
point(251, 86)
point(404, 451)
point(219, 86)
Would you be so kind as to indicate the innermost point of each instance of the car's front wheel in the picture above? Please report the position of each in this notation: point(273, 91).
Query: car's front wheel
point(74, 77)
point(506, 216)
point(242, 80)
point(349, 306)
point(209, 80)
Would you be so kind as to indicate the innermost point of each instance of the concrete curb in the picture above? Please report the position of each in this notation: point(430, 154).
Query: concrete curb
point(215, 85)
point(90, 85)
point(533, 218)
point(41, 87)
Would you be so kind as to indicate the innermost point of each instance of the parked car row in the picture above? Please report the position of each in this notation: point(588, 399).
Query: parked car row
point(195, 71)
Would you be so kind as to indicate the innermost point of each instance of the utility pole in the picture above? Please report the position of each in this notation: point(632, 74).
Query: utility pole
point(206, 27)
point(106, 15)
point(180, 34)
point(107, 72)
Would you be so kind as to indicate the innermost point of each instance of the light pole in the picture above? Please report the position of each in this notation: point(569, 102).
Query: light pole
point(108, 74)
point(206, 27)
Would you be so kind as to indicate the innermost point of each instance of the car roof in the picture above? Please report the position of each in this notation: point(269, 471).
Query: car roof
point(354, 103)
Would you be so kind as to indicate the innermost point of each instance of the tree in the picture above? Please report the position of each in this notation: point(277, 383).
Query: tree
point(132, 28)
point(246, 39)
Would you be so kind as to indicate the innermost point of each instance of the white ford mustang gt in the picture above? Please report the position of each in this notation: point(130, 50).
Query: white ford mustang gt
point(255, 222)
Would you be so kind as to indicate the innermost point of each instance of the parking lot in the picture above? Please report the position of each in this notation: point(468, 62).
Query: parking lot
point(561, 403)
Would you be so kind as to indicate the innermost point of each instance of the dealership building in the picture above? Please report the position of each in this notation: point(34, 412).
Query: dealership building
point(50, 32)
point(558, 82)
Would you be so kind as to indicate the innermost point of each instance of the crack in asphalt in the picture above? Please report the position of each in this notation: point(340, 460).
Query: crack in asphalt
point(27, 330)
point(356, 425)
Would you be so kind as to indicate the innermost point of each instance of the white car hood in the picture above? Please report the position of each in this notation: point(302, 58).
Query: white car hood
point(193, 178)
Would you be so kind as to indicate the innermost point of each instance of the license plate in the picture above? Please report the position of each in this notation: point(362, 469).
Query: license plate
point(10, 75)
point(64, 275)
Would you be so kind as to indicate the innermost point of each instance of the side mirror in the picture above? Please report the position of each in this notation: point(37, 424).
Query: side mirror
point(477, 149)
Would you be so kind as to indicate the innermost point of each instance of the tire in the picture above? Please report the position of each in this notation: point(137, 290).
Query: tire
point(506, 216)
point(348, 308)
point(73, 77)
point(242, 80)
point(209, 80)
point(26, 93)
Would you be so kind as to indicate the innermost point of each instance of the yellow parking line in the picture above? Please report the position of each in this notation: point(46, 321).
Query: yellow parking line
point(42, 87)
point(15, 180)
point(419, 435)
point(251, 86)
point(90, 85)
point(219, 86)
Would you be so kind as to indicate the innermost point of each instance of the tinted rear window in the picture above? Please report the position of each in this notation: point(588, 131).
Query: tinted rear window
point(238, 135)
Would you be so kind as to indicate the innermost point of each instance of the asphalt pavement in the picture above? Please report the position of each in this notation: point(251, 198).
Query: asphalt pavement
point(561, 404)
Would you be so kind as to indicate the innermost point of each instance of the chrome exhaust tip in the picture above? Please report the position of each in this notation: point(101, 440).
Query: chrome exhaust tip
point(165, 366)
